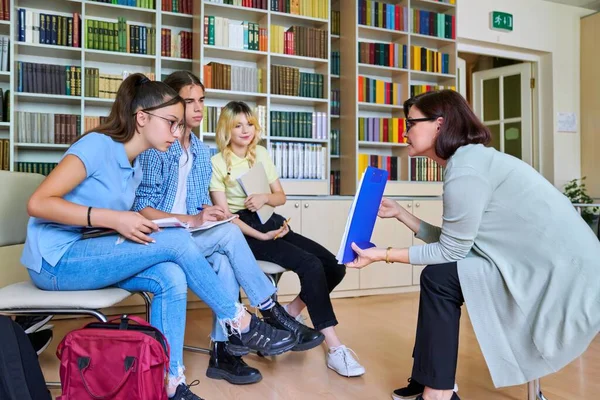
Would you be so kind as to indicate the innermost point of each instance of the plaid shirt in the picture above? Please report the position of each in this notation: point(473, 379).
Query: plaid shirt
point(161, 172)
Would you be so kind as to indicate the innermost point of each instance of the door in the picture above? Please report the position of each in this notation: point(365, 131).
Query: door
point(502, 99)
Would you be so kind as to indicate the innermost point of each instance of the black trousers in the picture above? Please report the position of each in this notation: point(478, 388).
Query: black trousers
point(436, 346)
point(317, 268)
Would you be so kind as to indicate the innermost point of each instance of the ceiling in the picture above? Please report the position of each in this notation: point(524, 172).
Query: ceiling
point(591, 4)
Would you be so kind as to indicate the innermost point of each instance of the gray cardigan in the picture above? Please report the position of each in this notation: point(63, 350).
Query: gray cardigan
point(528, 264)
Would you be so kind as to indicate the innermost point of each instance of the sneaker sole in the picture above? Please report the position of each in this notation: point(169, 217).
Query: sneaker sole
point(240, 351)
point(37, 325)
point(413, 397)
point(215, 373)
point(345, 376)
point(309, 345)
point(44, 347)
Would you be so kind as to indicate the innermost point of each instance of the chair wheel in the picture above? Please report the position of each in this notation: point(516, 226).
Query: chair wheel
point(540, 396)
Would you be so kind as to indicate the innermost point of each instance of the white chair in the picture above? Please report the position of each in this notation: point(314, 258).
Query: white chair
point(273, 272)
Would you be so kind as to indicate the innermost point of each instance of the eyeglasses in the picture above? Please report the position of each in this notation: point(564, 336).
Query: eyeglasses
point(410, 122)
point(173, 125)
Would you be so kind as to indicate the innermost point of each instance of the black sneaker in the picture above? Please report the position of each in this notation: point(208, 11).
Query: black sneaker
point(413, 391)
point(263, 338)
point(184, 393)
point(32, 323)
point(454, 397)
point(233, 369)
point(280, 319)
point(40, 340)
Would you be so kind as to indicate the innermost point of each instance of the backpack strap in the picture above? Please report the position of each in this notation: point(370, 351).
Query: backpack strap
point(12, 377)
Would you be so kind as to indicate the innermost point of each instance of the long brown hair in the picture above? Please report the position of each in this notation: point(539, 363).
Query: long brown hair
point(461, 126)
point(136, 93)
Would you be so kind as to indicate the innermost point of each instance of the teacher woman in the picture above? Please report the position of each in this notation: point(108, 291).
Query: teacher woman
point(511, 247)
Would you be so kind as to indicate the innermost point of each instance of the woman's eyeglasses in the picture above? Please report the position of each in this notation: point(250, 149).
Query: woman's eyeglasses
point(410, 122)
point(173, 125)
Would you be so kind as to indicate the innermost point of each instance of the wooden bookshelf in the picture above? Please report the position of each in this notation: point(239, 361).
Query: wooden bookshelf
point(353, 32)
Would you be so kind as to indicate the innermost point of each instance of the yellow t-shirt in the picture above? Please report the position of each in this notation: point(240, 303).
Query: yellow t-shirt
point(239, 166)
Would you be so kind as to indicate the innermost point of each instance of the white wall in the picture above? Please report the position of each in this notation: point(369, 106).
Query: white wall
point(550, 31)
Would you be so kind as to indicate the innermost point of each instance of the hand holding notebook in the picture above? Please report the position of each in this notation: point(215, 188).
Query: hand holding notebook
point(255, 182)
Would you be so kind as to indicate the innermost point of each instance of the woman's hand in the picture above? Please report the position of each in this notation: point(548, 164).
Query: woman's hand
point(255, 201)
point(135, 227)
point(389, 209)
point(366, 256)
point(277, 233)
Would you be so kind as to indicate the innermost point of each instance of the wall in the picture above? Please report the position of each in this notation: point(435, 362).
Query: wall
point(550, 31)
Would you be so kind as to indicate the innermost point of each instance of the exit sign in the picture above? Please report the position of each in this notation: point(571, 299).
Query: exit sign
point(501, 21)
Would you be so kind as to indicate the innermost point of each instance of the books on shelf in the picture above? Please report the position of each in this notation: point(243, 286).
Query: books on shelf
point(4, 53)
point(212, 114)
point(131, 3)
point(307, 8)
point(427, 60)
point(334, 183)
point(299, 41)
point(383, 15)
point(383, 54)
point(180, 46)
point(335, 22)
point(334, 63)
point(260, 4)
point(434, 24)
point(5, 10)
point(35, 167)
point(36, 127)
point(48, 79)
point(233, 77)
point(91, 123)
point(335, 101)
point(418, 89)
point(223, 32)
point(4, 154)
point(299, 160)
point(382, 130)
point(105, 86)
point(423, 169)
point(177, 6)
point(42, 28)
point(120, 37)
point(378, 91)
point(306, 125)
point(289, 81)
point(390, 164)
point(334, 142)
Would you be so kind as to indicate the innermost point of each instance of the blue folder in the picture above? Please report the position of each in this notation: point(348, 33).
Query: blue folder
point(363, 214)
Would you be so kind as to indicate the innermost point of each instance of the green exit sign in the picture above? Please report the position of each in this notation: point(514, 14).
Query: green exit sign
point(501, 21)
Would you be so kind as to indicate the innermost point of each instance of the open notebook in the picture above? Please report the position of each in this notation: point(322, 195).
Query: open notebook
point(255, 181)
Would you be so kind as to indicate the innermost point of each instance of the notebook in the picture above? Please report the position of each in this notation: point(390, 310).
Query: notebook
point(255, 181)
point(363, 214)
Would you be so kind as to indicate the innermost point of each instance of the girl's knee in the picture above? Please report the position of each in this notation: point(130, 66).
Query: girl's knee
point(172, 278)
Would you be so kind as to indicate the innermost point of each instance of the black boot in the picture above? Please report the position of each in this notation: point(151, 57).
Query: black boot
point(233, 369)
point(262, 338)
point(280, 319)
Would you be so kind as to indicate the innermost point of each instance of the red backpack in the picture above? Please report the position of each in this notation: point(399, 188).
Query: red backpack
point(114, 360)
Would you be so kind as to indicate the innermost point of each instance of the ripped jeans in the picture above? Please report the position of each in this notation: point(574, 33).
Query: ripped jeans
point(165, 268)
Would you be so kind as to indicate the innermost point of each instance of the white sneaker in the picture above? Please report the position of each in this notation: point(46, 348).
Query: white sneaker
point(343, 362)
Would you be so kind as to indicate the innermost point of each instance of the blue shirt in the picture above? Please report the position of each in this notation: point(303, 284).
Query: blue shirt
point(110, 183)
point(161, 173)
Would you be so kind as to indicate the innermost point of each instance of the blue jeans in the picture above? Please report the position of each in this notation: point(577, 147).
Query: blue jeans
point(165, 268)
point(227, 251)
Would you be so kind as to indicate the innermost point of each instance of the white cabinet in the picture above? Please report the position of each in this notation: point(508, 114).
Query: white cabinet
point(429, 211)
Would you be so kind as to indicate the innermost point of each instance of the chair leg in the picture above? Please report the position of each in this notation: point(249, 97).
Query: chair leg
point(534, 391)
point(194, 349)
point(148, 302)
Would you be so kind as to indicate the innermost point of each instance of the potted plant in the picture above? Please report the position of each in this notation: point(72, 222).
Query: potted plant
point(576, 191)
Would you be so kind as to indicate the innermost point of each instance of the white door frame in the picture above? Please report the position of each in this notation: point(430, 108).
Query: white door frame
point(542, 161)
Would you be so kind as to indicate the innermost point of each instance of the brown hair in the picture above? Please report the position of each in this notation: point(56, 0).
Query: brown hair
point(461, 126)
point(180, 79)
point(135, 93)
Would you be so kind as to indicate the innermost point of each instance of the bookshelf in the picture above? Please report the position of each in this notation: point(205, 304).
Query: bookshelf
point(384, 62)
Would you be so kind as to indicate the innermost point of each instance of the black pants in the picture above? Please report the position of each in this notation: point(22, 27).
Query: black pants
point(317, 268)
point(436, 345)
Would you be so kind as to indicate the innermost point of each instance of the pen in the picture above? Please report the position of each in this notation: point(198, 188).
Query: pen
point(285, 222)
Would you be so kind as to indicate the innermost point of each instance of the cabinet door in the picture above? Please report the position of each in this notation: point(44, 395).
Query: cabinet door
point(388, 232)
point(289, 283)
point(324, 221)
point(430, 211)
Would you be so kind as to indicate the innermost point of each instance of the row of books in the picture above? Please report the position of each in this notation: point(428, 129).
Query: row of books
point(293, 124)
point(232, 77)
point(384, 54)
point(383, 130)
point(4, 105)
point(35, 167)
point(392, 164)
point(334, 62)
point(223, 32)
point(416, 90)
point(335, 142)
point(434, 24)
point(212, 114)
point(131, 3)
point(307, 8)
point(120, 36)
point(4, 154)
point(299, 41)
point(289, 81)
point(335, 22)
point(423, 169)
point(424, 59)
point(42, 28)
point(4, 53)
point(105, 86)
point(48, 78)
point(35, 127)
point(5, 10)
point(178, 6)
point(335, 101)
point(91, 123)
point(180, 47)
point(334, 183)
point(260, 4)
point(299, 160)
point(383, 15)
point(380, 92)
